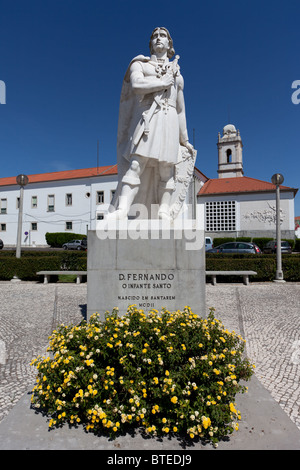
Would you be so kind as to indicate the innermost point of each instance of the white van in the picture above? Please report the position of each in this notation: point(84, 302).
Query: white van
point(208, 243)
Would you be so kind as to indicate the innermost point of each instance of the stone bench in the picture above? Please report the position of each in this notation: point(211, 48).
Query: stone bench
point(245, 275)
point(47, 275)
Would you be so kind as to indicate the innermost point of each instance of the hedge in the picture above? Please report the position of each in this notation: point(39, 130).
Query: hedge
point(57, 239)
point(264, 265)
point(30, 263)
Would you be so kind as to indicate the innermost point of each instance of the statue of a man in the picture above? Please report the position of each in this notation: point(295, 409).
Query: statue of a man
point(151, 130)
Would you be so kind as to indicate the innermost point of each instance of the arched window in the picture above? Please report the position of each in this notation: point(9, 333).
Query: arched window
point(229, 155)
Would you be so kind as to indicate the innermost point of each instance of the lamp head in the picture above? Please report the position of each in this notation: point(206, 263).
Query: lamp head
point(22, 180)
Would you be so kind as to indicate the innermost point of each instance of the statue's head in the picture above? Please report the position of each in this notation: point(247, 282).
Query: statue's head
point(171, 50)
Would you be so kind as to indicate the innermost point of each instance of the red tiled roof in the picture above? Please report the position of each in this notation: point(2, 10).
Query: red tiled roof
point(70, 174)
point(242, 184)
point(64, 175)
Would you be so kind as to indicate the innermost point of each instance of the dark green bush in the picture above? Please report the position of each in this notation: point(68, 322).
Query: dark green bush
point(264, 265)
point(25, 268)
point(30, 263)
point(220, 241)
point(57, 239)
point(290, 241)
point(297, 244)
point(261, 241)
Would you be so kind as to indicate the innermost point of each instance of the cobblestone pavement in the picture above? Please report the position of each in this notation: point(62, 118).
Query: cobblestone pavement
point(267, 315)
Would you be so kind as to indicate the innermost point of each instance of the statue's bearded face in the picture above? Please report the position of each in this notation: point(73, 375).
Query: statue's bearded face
point(159, 41)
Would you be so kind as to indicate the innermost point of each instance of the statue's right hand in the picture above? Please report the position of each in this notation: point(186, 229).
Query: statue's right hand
point(167, 80)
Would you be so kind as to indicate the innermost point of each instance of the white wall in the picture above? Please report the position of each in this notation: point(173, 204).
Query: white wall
point(82, 212)
point(256, 212)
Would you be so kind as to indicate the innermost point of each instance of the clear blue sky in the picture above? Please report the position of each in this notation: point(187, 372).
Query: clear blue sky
point(63, 63)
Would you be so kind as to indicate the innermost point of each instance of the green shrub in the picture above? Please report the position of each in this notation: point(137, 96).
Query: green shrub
point(169, 373)
point(264, 265)
point(220, 241)
point(297, 244)
point(30, 263)
point(25, 268)
point(243, 239)
point(290, 241)
point(57, 239)
point(261, 241)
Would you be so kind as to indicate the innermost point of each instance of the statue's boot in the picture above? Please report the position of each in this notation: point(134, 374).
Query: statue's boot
point(165, 195)
point(126, 199)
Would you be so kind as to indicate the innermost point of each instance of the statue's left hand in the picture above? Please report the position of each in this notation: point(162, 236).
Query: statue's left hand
point(189, 146)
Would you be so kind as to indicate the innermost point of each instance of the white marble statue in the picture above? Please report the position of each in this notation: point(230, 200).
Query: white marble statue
point(152, 133)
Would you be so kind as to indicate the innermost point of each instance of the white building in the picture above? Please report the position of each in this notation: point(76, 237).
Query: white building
point(72, 201)
point(236, 205)
point(64, 201)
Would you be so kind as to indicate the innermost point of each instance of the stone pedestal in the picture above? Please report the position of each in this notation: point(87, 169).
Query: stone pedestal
point(154, 270)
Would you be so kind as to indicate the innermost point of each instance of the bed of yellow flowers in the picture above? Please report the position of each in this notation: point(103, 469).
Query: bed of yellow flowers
point(169, 373)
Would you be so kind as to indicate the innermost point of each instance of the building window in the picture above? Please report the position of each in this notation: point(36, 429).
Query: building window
point(33, 226)
point(100, 197)
point(229, 155)
point(3, 227)
point(18, 203)
point(112, 193)
point(69, 225)
point(220, 216)
point(100, 216)
point(33, 202)
point(68, 199)
point(51, 203)
point(3, 206)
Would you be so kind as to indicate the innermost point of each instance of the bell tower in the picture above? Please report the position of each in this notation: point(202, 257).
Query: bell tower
point(230, 153)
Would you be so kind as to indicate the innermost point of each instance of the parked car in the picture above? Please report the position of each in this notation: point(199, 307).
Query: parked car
point(1, 244)
point(76, 245)
point(208, 243)
point(236, 247)
point(271, 247)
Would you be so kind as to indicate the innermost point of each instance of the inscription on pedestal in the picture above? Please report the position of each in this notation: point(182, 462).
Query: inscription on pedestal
point(146, 289)
point(152, 274)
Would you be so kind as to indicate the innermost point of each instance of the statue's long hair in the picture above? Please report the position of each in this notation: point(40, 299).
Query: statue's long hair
point(171, 50)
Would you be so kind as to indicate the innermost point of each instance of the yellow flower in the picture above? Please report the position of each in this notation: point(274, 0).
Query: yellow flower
point(174, 399)
point(232, 408)
point(206, 422)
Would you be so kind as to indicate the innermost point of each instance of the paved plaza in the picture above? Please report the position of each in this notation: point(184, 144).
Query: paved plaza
point(267, 315)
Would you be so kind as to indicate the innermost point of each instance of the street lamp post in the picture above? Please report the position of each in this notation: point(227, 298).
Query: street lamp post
point(22, 180)
point(278, 179)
